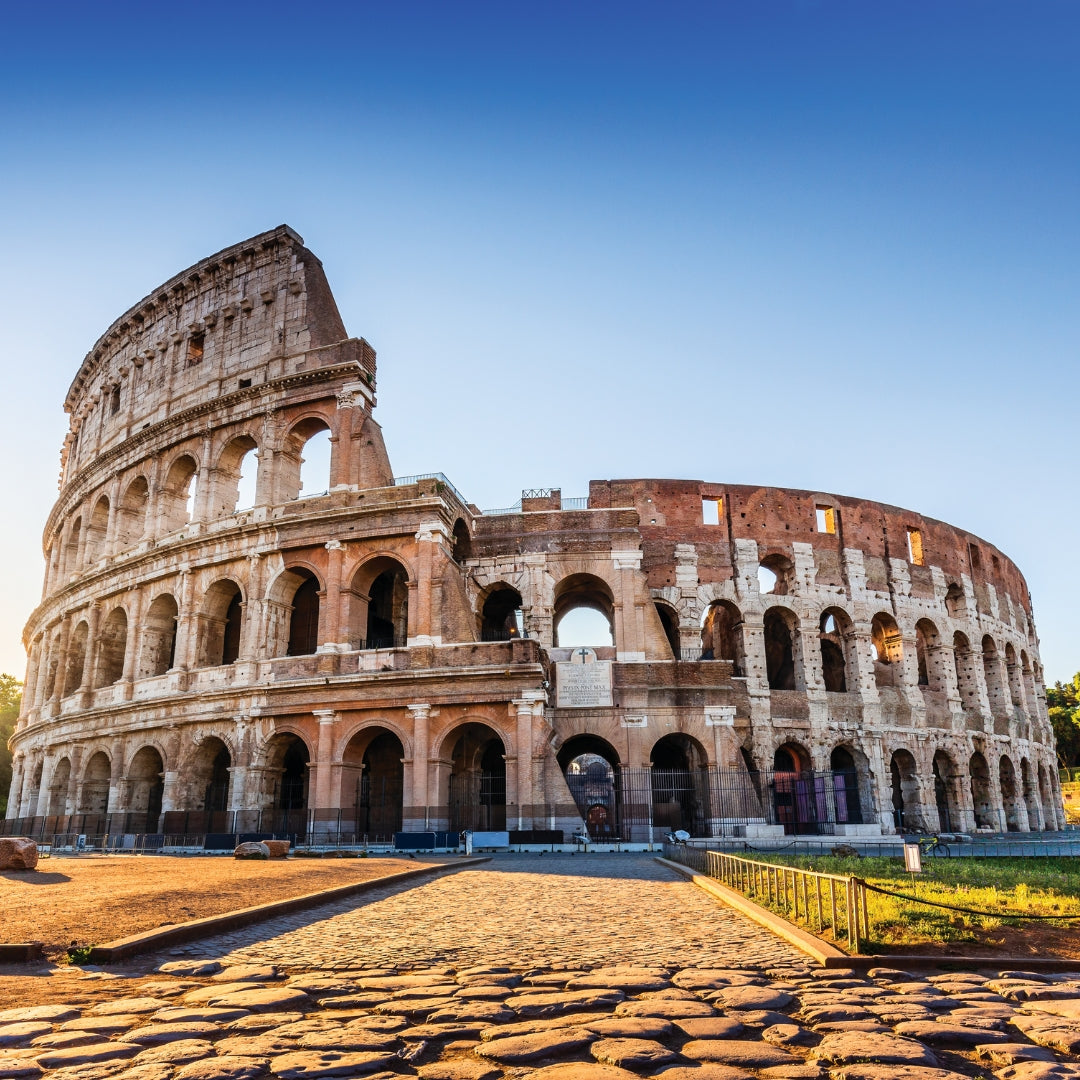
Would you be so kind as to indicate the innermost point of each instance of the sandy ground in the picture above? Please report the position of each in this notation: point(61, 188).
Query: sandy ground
point(92, 899)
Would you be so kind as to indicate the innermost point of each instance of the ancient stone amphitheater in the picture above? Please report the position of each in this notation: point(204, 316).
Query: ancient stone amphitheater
point(227, 643)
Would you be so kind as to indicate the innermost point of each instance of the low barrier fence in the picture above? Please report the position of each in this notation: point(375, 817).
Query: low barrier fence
point(821, 902)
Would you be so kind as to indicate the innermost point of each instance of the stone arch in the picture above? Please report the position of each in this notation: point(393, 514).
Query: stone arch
point(593, 772)
point(1048, 816)
point(234, 477)
point(776, 575)
point(297, 589)
point(584, 592)
point(927, 653)
point(780, 628)
point(1012, 669)
point(476, 794)
point(906, 792)
point(1010, 796)
point(111, 648)
point(996, 691)
point(205, 776)
point(373, 780)
point(158, 639)
point(1026, 673)
point(220, 624)
point(33, 801)
point(76, 659)
point(131, 513)
point(722, 636)
point(286, 773)
point(834, 636)
point(1030, 795)
point(678, 770)
point(71, 548)
point(97, 778)
point(850, 780)
point(981, 796)
point(796, 795)
point(955, 601)
point(500, 613)
point(379, 604)
point(146, 786)
point(462, 541)
point(888, 649)
point(177, 501)
point(967, 680)
point(97, 530)
point(60, 788)
point(669, 623)
point(295, 481)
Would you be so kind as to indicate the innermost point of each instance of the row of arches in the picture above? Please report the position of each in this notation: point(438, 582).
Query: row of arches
point(185, 489)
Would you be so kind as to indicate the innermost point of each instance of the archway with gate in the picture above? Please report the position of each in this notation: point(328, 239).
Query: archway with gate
point(679, 782)
point(798, 796)
point(373, 782)
point(477, 787)
point(591, 769)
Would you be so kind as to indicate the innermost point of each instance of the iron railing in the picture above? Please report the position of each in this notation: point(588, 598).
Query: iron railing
point(405, 481)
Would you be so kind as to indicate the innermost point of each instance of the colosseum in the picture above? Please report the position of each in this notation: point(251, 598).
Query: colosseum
point(229, 643)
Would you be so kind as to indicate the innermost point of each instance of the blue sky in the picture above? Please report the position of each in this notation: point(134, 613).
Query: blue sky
point(821, 245)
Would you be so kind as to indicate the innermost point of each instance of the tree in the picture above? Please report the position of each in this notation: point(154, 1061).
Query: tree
point(10, 702)
point(1063, 704)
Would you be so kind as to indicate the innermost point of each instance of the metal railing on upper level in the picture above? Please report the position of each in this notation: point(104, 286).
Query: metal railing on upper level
point(576, 503)
point(818, 901)
point(405, 481)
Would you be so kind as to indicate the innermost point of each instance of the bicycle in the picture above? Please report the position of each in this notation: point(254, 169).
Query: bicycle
point(933, 846)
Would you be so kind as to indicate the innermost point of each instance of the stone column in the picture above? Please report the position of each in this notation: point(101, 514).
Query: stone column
point(86, 683)
point(420, 798)
point(526, 708)
point(61, 658)
point(629, 617)
point(131, 644)
point(321, 786)
point(330, 607)
point(186, 624)
point(426, 629)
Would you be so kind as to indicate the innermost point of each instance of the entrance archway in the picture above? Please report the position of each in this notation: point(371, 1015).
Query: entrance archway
point(146, 786)
point(590, 766)
point(980, 792)
point(58, 788)
point(945, 793)
point(845, 777)
point(477, 779)
point(95, 788)
point(1031, 800)
point(373, 782)
point(1009, 795)
point(679, 780)
point(795, 793)
point(906, 797)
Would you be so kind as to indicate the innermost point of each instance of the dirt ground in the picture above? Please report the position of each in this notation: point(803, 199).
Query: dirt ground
point(1035, 939)
point(93, 899)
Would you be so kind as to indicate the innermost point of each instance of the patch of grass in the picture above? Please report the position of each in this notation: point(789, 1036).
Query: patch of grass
point(999, 886)
point(79, 954)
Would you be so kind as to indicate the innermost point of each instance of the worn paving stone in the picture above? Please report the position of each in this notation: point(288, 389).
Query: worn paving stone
point(630, 1027)
point(707, 1071)
point(312, 1064)
point(20, 1034)
point(262, 1000)
point(190, 967)
point(1009, 1053)
point(84, 1055)
point(62, 1039)
point(486, 1011)
point(51, 1013)
point(247, 973)
point(342, 1038)
point(637, 1054)
point(740, 1052)
point(519, 1049)
point(104, 1025)
point(581, 1071)
point(792, 1035)
point(755, 997)
point(543, 1006)
point(17, 1068)
point(874, 1071)
point(844, 1048)
point(943, 1034)
point(459, 1069)
point(665, 1008)
point(136, 1006)
point(1039, 1070)
point(709, 1027)
point(223, 1068)
point(179, 1052)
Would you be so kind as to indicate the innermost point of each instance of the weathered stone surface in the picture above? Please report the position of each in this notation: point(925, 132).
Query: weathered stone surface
point(132, 1006)
point(20, 1034)
point(313, 1065)
point(668, 1010)
point(789, 1035)
point(542, 1006)
point(520, 1049)
point(208, 1014)
point(944, 1034)
point(845, 1048)
point(62, 1039)
point(251, 849)
point(156, 1034)
point(637, 1054)
point(222, 1068)
point(105, 1025)
point(262, 1000)
point(629, 1027)
point(577, 1071)
point(247, 973)
point(710, 1027)
point(278, 849)
point(1039, 1070)
point(343, 1038)
point(256, 1022)
point(710, 1071)
point(18, 853)
point(488, 1012)
point(702, 979)
point(875, 1071)
point(1009, 1053)
point(739, 1052)
point(84, 1055)
point(177, 1053)
point(52, 1013)
point(459, 1069)
point(190, 967)
point(755, 997)
point(18, 1068)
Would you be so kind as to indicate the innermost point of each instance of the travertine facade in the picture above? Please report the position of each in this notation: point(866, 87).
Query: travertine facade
point(383, 656)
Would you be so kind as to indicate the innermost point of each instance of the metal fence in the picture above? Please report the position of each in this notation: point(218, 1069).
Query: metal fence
point(821, 902)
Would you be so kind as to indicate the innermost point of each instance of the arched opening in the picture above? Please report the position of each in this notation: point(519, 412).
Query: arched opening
point(776, 575)
point(235, 477)
point(96, 531)
point(379, 605)
point(1012, 668)
point(906, 797)
point(178, 494)
point(888, 650)
point(1048, 816)
point(287, 777)
point(967, 683)
point(796, 795)
point(680, 793)
point(146, 785)
point(1031, 796)
point(590, 766)
point(71, 548)
point(76, 659)
point(477, 779)
point(304, 621)
point(1009, 796)
point(1031, 698)
point(584, 613)
point(462, 542)
point(158, 652)
point(833, 631)
point(722, 636)
point(220, 625)
point(955, 602)
point(996, 692)
point(34, 795)
point(111, 646)
point(780, 630)
point(304, 464)
point(501, 616)
point(845, 787)
point(131, 513)
point(946, 795)
point(981, 800)
point(669, 621)
point(94, 797)
point(59, 788)
point(373, 769)
point(926, 644)
point(206, 783)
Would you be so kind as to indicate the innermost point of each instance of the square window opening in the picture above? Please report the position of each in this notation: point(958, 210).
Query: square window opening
point(196, 344)
point(711, 511)
point(826, 519)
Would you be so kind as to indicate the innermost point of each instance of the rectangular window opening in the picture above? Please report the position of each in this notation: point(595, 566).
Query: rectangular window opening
point(245, 383)
point(711, 511)
point(114, 401)
point(195, 348)
point(973, 554)
point(914, 546)
point(826, 519)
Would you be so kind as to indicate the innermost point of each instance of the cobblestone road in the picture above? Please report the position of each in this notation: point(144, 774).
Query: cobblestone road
point(590, 968)
point(552, 911)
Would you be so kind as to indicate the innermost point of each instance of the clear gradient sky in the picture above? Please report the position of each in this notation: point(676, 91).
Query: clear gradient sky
point(827, 245)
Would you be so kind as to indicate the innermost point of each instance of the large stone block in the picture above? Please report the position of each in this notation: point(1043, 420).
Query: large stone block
point(18, 853)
